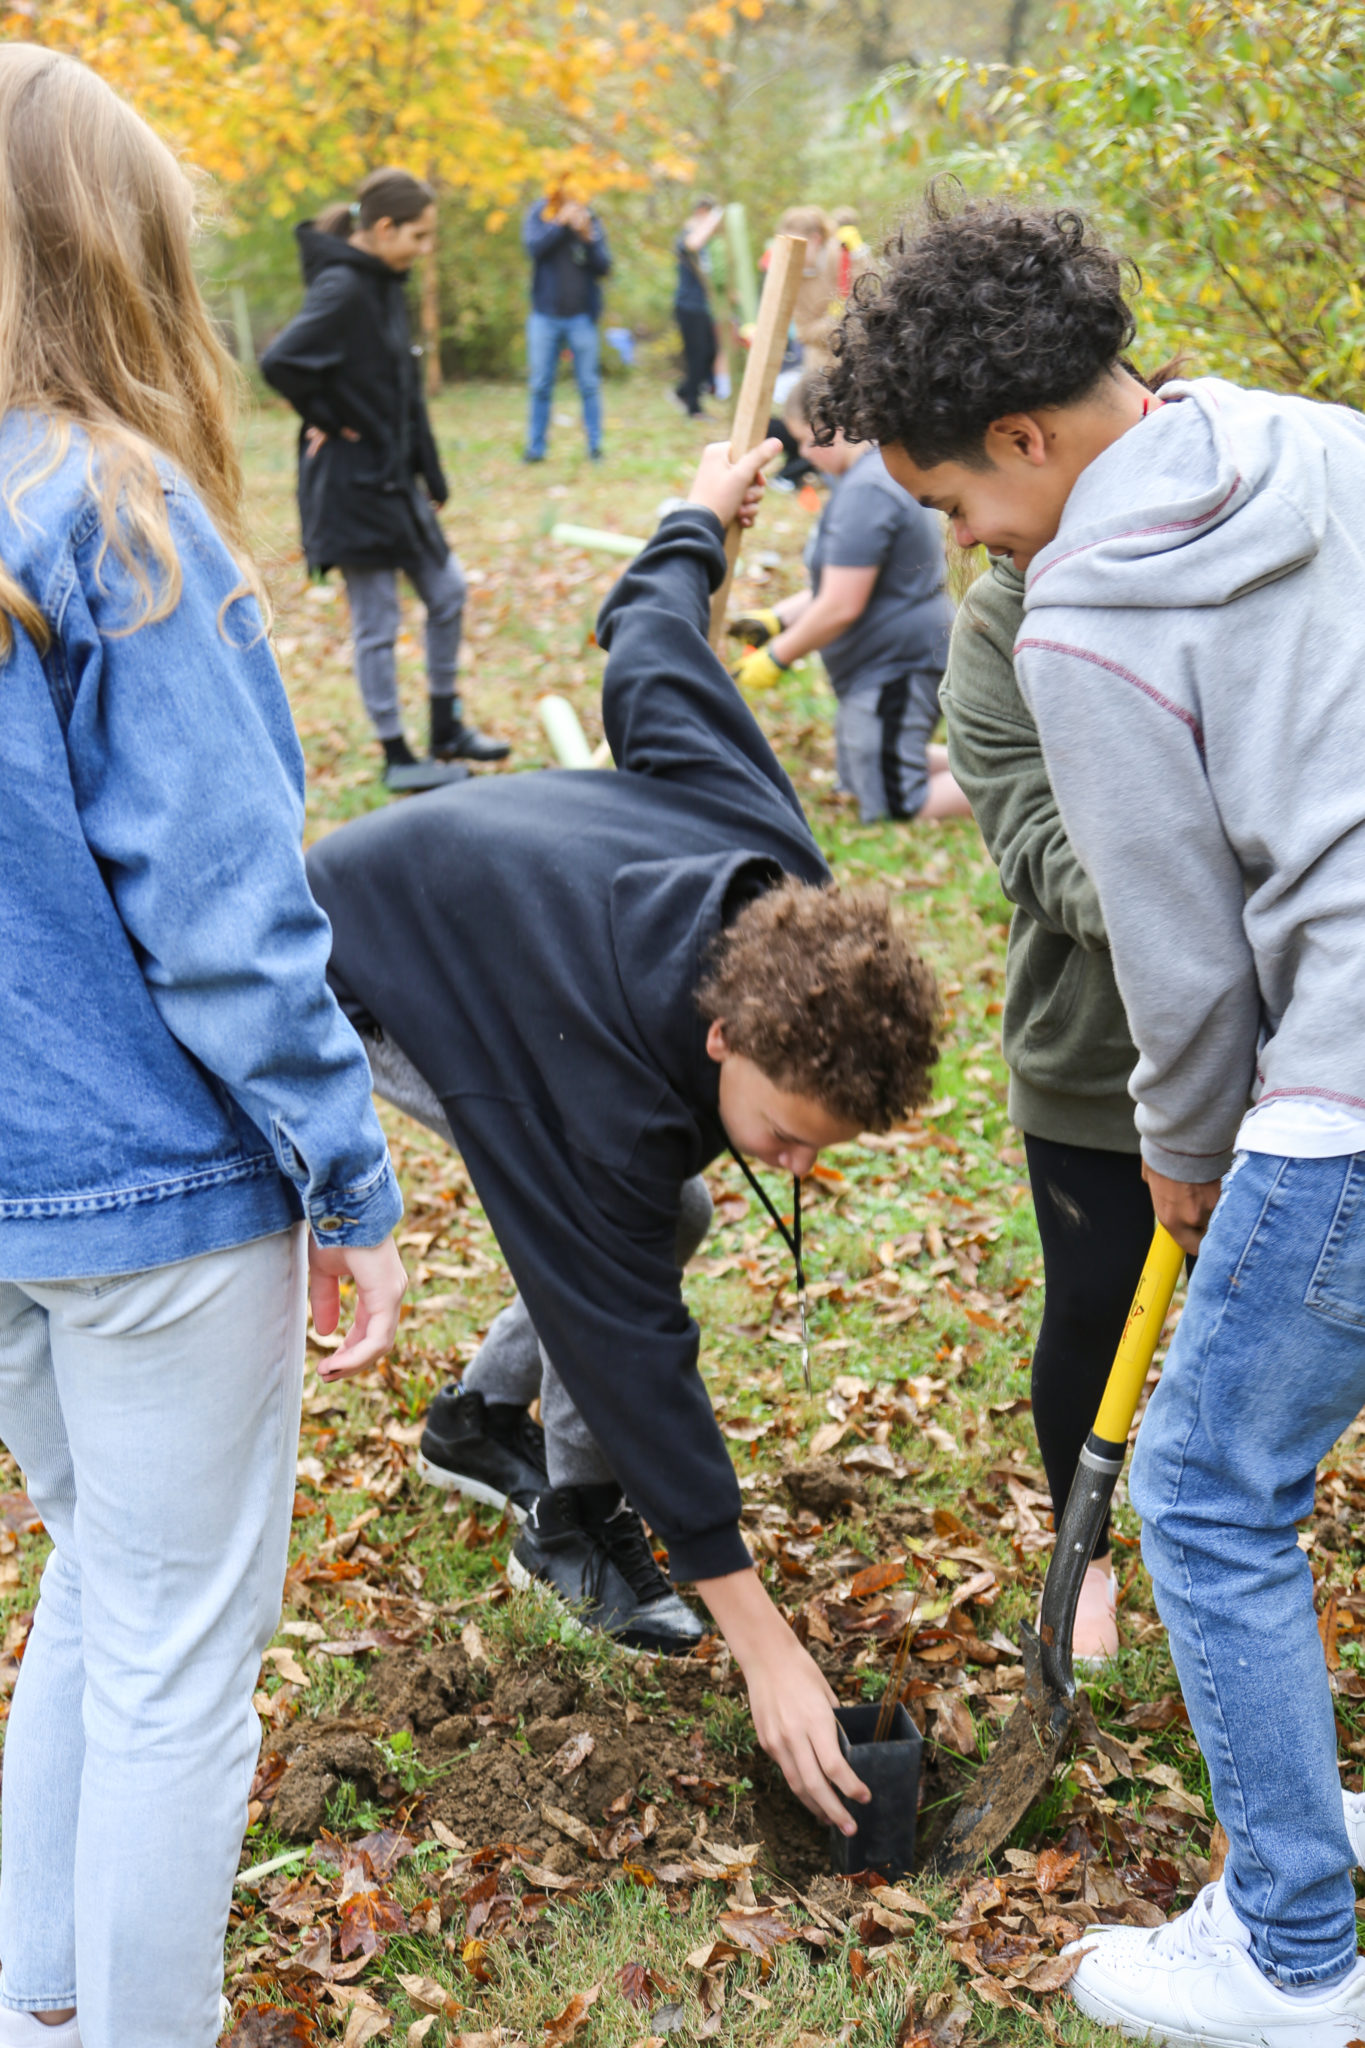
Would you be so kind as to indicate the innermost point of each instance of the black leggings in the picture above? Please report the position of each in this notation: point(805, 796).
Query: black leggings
point(1095, 1221)
point(698, 332)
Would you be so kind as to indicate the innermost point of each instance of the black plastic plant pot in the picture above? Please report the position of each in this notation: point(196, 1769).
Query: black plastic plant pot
point(885, 1840)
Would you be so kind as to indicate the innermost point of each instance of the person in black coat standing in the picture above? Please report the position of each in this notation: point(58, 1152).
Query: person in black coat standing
point(347, 366)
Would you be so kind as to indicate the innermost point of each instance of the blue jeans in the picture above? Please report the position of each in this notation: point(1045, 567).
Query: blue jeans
point(1266, 1371)
point(545, 337)
point(156, 1417)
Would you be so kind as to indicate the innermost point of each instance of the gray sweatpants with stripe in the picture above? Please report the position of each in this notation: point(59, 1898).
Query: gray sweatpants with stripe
point(512, 1364)
point(882, 733)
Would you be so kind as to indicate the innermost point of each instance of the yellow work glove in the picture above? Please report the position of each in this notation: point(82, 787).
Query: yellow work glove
point(755, 628)
point(758, 670)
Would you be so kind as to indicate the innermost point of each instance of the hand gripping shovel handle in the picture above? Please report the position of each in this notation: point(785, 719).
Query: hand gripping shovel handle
point(1102, 1460)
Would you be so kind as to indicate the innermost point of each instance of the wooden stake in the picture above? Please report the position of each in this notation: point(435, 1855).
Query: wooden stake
point(755, 405)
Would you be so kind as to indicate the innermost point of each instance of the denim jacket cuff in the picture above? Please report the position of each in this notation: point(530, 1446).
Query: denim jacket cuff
point(362, 1214)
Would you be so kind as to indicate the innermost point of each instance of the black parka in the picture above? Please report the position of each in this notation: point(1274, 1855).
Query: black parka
point(347, 360)
point(534, 943)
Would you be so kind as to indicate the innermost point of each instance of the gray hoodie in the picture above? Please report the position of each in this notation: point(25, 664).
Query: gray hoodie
point(1193, 651)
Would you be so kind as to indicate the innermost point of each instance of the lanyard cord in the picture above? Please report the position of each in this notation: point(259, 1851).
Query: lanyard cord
point(792, 1238)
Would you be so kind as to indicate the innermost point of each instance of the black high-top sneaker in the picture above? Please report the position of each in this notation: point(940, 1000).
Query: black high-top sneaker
point(588, 1545)
point(489, 1451)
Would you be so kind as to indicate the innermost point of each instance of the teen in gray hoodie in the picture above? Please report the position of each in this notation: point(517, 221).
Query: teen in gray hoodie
point(1197, 682)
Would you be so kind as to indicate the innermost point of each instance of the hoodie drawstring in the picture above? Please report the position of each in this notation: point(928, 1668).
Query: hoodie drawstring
point(793, 1242)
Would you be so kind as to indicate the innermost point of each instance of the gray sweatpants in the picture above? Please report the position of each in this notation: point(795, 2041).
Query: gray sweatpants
point(512, 1364)
point(373, 598)
point(882, 733)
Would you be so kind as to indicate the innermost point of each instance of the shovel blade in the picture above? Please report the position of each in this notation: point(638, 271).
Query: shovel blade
point(1017, 1772)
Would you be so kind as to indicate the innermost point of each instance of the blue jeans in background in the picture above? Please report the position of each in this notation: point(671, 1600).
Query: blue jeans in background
point(1266, 1371)
point(545, 337)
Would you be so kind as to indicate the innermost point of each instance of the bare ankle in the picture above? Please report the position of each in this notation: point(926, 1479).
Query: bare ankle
point(55, 2019)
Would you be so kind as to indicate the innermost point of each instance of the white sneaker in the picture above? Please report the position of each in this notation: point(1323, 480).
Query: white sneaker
point(1353, 1805)
point(1193, 1984)
point(21, 2030)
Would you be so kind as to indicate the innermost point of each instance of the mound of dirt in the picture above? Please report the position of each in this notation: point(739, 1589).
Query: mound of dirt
point(504, 1745)
point(822, 1486)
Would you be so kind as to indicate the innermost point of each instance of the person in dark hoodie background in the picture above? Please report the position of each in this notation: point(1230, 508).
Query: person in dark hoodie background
point(567, 245)
point(368, 467)
point(638, 967)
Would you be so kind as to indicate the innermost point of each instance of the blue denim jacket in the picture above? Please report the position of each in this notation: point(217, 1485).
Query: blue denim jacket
point(175, 1075)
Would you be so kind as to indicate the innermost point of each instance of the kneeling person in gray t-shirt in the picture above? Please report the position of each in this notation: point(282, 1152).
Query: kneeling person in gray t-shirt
point(878, 612)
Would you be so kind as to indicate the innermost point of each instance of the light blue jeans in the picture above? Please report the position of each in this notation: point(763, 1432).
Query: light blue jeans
point(1266, 1371)
point(156, 1418)
point(545, 337)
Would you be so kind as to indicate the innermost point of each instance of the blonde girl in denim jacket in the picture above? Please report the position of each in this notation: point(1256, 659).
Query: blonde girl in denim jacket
point(187, 1132)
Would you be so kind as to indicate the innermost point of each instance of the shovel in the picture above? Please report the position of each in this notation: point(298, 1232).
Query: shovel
point(1020, 1767)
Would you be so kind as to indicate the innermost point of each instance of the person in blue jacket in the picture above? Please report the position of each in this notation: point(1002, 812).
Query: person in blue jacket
point(188, 1130)
point(567, 245)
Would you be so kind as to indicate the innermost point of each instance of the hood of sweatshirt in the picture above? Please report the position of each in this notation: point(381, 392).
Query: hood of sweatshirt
point(319, 252)
point(1215, 493)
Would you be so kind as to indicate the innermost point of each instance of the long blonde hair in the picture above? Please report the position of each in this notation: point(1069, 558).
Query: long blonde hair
point(102, 326)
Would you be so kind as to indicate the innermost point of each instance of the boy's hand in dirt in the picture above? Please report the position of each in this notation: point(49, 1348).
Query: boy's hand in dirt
point(792, 1705)
point(1183, 1206)
point(732, 490)
point(380, 1284)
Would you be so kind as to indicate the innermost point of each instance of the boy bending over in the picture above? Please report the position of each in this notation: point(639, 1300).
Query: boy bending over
point(601, 980)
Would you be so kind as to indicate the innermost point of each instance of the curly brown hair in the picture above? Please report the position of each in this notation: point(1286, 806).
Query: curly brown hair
point(981, 309)
point(819, 987)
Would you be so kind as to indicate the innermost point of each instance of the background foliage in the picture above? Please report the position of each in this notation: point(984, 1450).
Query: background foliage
point(285, 106)
point(1221, 143)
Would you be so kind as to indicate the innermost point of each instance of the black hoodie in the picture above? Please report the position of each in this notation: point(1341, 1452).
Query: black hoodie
point(534, 944)
point(347, 360)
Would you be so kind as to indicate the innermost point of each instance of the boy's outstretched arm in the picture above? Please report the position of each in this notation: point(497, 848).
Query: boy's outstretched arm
point(668, 705)
point(789, 1696)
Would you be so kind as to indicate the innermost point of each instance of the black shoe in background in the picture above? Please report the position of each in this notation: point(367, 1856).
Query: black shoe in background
point(467, 743)
point(588, 1545)
point(489, 1451)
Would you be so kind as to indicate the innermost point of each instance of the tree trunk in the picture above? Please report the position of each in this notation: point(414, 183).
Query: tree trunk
point(431, 317)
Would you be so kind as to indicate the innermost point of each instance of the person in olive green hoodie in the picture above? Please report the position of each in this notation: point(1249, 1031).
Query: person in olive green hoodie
point(1068, 1050)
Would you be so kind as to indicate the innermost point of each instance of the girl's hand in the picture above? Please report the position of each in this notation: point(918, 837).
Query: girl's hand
point(732, 490)
point(380, 1284)
point(314, 438)
point(792, 1705)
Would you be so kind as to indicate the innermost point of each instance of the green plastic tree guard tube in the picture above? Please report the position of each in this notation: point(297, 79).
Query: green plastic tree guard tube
point(744, 277)
point(594, 537)
point(568, 741)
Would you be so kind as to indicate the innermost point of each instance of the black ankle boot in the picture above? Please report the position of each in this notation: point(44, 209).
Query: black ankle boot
point(453, 740)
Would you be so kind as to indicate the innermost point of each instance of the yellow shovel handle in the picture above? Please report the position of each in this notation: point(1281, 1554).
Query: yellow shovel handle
point(1141, 1332)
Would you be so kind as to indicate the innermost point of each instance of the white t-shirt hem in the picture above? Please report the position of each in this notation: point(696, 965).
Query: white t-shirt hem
point(1302, 1127)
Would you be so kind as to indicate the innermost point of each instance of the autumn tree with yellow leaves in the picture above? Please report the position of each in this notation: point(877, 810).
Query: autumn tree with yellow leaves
point(279, 98)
